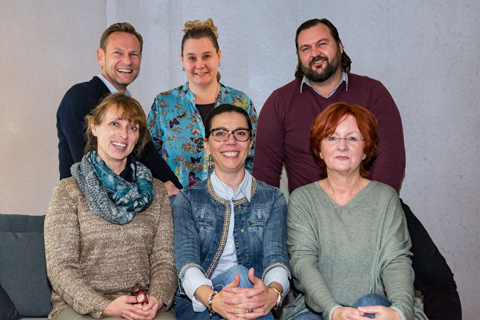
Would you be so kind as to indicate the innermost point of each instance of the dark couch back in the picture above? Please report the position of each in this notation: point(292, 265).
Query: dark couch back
point(23, 274)
point(21, 223)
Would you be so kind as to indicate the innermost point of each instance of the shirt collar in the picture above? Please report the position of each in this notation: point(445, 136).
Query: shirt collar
point(306, 81)
point(111, 87)
point(224, 191)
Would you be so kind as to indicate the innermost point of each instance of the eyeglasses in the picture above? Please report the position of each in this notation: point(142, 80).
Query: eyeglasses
point(350, 140)
point(221, 135)
point(141, 295)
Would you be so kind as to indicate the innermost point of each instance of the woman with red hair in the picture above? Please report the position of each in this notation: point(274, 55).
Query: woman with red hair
point(347, 236)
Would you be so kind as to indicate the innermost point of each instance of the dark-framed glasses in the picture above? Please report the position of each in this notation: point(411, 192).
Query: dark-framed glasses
point(139, 293)
point(221, 135)
point(350, 140)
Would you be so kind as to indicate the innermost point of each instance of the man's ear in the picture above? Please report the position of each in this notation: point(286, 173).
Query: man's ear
point(101, 57)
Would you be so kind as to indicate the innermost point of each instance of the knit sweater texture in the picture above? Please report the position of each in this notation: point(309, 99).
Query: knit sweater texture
point(91, 262)
point(340, 253)
point(283, 132)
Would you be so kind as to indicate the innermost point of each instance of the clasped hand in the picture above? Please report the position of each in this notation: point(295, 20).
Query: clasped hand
point(234, 302)
point(127, 307)
point(381, 313)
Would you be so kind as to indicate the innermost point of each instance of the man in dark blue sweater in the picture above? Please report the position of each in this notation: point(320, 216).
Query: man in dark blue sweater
point(119, 55)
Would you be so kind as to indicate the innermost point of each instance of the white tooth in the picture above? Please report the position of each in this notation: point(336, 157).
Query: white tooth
point(125, 70)
point(120, 145)
point(230, 154)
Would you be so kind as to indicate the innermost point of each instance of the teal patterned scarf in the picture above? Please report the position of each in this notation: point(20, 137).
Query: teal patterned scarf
point(110, 196)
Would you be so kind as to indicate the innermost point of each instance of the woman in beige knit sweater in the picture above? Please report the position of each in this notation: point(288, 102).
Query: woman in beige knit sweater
point(109, 226)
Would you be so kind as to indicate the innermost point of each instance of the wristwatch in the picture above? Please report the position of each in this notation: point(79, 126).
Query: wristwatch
point(279, 298)
point(209, 302)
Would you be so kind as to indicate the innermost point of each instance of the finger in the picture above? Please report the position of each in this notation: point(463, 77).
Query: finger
point(235, 281)
point(248, 315)
point(130, 299)
point(244, 292)
point(244, 308)
point(251, 276)
point(353, 316)
point(236, 290)
point(371, 309)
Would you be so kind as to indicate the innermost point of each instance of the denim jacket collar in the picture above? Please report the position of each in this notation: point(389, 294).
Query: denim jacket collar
point(224, 191)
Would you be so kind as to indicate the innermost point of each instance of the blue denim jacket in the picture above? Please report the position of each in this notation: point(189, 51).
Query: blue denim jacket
point(201, 226)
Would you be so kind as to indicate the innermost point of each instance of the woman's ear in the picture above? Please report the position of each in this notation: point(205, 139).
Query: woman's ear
point(94, 129)
point(205, 146)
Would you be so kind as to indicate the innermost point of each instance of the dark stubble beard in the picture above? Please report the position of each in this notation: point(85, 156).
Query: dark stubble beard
point(329, 70)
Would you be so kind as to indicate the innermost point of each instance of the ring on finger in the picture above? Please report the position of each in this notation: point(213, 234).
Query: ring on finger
point(250, 310)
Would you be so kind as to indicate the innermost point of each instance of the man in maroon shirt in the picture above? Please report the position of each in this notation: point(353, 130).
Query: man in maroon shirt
point(322, 78)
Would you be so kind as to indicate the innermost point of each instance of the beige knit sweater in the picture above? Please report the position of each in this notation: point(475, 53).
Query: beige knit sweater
point(91, 262)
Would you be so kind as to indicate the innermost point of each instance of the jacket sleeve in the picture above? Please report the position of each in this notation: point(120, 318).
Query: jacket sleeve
point(389, 163)
point(186, 240)
point(75, 105)
point(163, 279)
point(275, 252)
point(304, 252)
point(153, 151)
point(269, 142)
point(62, 251)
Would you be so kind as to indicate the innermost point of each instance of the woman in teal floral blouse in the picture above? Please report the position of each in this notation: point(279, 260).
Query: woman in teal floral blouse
point(176, 119)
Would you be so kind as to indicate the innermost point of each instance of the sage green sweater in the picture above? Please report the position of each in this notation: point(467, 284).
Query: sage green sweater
point(340, 253)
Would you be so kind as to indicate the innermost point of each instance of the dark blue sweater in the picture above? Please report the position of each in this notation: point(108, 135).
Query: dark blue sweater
point(76, 104)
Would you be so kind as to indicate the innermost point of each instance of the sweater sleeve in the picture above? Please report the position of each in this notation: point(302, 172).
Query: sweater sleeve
point(394, 260)
point(75, 105)
point(269, 149)
point(304, 252)
point(163, 279)
point(389, 162)
point(62, 251)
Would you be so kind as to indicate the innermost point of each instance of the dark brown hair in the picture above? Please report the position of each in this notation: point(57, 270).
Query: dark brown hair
point(346, 61)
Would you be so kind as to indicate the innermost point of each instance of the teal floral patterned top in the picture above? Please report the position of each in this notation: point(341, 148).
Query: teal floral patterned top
point(177, 131)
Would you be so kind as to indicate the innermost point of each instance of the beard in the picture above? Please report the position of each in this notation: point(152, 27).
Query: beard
point(331, 66)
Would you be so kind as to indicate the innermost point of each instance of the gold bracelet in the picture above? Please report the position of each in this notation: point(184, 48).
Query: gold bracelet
point(209, 302)
point(279, 298)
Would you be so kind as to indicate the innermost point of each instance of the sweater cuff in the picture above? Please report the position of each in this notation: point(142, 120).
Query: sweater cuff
point(335, 308)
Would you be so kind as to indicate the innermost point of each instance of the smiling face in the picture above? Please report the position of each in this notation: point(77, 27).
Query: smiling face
point(319, 54)
point(116, 139)
point(121, 59)
point(230, 155)
point(200, 60)
point(342, 156)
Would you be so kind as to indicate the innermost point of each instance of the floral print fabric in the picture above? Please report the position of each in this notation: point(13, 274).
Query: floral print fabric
point(177, 131)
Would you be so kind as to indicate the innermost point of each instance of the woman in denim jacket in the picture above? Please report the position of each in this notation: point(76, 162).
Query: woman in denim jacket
point(230, 232)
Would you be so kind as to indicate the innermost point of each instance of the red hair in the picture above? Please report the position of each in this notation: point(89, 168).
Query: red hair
point(326, 122)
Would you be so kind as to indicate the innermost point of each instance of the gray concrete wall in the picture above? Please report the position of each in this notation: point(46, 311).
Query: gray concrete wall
point(425, 52)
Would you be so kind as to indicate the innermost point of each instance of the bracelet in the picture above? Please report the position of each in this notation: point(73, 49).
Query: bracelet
point(209, 302)
point(279, 298)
